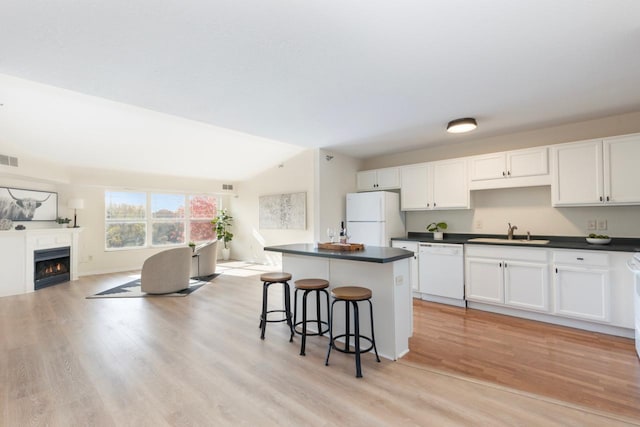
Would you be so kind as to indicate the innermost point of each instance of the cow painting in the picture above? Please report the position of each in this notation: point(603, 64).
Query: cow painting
point(22, 207)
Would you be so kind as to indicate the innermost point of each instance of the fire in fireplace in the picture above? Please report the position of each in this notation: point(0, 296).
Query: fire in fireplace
point(51, 266)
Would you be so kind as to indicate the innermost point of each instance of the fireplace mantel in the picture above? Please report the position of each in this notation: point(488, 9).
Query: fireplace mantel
point(16, 252)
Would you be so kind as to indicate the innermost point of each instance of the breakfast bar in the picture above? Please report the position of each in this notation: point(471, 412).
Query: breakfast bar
point(384, 270)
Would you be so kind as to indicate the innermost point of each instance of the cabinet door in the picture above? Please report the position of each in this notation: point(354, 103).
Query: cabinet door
point(484, 280)
point(582, 293)
point(577, 174)
point(490, 166)
point(413, 247)
point(526, 285)
point(450, 185)
point(527, 162)
point(621, 170)
point(366, 180)
point(414, 192)
point(388, 178)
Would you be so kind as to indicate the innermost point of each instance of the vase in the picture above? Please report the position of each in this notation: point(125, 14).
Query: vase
point(226, 252)
point(438, 235)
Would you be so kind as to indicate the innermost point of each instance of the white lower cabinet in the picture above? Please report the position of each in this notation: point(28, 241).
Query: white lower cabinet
point(484, 280)
point(508, 276)
point(414, 277)
point(526, 285)
point(582, 285)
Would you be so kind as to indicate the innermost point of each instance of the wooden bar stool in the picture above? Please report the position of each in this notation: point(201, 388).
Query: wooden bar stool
point(307, 286)
point(353, 295)
point(269, 279)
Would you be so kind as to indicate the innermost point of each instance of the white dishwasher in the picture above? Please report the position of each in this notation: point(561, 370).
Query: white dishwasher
point(442, 273)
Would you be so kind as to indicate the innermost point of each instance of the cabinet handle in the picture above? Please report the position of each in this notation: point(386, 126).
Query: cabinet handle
point(580, 258)
point(556, 271)
point(428, 204)
point(509, 173)
point(607, 198)
point(505, 265)
point(600, 198)
point(434, 204)
point(503, 173)
point(500, 264)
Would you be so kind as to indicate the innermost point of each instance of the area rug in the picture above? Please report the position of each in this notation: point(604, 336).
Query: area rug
point(133, 290)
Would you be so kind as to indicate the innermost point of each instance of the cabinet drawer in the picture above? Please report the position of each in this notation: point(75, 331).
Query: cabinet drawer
point(584, 258)
point(502, 252)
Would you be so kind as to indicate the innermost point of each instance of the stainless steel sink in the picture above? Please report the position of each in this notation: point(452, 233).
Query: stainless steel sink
point(509, 242)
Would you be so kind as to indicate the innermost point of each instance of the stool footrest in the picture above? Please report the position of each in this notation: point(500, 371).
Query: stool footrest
point(346, 350)
point(312, 322)
point(276, 320)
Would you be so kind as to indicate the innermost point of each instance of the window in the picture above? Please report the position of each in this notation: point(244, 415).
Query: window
point(202, 209)
point(167, 218)
point(125, 218)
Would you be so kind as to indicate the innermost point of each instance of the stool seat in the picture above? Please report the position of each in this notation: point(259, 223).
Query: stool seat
point(275, 277)
point(311, 284)
point(351, 293)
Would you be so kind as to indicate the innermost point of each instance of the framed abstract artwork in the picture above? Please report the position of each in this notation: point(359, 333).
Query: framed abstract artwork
point(283, 211)
point(17, 204)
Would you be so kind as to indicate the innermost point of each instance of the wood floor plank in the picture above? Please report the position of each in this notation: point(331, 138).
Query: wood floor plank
point(198, 360)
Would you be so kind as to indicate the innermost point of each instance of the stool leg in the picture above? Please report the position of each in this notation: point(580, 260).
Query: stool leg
point(326, 362)
point(356, 325)
point(263, 317)
point(295, 308)
point(318, 316)
point(287, 307)
point(304, 322)
point(347, 325)
point(373, 337)
point(326, 294)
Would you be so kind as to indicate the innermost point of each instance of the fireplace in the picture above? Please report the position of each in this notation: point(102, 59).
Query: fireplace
point(51, 266)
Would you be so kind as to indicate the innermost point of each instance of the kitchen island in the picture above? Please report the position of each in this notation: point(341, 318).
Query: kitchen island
point(383, 270)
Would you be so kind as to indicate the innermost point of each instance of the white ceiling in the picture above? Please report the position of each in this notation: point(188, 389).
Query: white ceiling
point(222, 89)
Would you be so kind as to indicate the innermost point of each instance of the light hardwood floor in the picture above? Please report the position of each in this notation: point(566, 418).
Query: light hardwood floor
point(198, 360)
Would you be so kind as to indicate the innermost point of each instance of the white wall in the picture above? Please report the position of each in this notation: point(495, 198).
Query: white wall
point(530, 209)
point(336, 178)
point(90, 186)
point(292, 176)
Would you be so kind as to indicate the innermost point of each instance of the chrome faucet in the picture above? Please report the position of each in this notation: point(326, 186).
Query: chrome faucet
point(510, 231)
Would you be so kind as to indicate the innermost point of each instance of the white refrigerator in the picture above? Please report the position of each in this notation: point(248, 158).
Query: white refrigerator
point(373, 218)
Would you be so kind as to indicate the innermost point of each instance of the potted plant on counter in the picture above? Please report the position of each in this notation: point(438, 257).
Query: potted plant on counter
point(436, 228)
point(221, 225)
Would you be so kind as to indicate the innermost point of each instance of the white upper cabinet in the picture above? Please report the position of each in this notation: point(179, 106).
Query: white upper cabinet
point(621, 170)
point(415, 193)
point(435, 185)
point(378, 179)
point(519, 168)
point(596, 172)
point(450, 188)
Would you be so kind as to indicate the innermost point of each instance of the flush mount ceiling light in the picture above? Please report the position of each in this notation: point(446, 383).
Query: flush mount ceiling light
point(462, 125)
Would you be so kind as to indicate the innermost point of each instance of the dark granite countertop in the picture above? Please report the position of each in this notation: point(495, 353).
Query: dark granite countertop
point(369, 254)
point(618, 244)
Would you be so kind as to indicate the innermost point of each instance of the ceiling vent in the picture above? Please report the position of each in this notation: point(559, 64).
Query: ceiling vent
point(8, 160)
point(227, 186)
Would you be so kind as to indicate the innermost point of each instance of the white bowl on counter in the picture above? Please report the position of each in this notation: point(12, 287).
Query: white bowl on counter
point(594, 241)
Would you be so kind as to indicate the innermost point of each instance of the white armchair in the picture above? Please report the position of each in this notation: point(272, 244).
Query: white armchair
point(207, 258)
point(167, 271)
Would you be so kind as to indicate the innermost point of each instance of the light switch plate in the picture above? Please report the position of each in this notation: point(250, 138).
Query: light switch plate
point(592, 224)
point(602, 224)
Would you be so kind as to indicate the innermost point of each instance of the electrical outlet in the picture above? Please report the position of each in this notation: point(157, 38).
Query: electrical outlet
point(592, 224)
point(399, 280)
point(478, 224)
point(602, 224)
